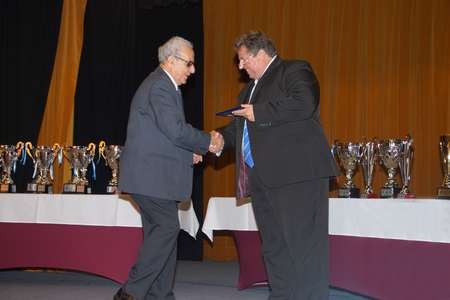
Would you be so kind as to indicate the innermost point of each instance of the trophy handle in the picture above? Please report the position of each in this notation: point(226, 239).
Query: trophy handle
point(19, 149)
point(58, 149)
point(28, 148)
point(91, 148)
point(101, 149)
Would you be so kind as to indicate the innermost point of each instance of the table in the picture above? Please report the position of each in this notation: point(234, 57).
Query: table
point(99, 234)
point(383, 248)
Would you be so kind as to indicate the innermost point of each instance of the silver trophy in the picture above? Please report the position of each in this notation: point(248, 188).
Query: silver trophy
point(43, 158)
point(348, 156)
point(368, 161)
point(404, 164)
point(9, 154)
point(389, 152)
point(79, 158)
point(111, 155)
point(444, 147)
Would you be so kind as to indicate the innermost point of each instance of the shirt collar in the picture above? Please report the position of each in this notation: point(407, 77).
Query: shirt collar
point(268, 65)
point(171, 79)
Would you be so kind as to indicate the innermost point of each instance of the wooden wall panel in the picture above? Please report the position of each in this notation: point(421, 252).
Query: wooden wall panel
point(383, 67)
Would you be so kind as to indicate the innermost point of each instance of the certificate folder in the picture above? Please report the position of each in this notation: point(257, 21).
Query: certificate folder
point(228, 112)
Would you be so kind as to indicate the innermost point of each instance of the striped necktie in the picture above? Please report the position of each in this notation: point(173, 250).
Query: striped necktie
point(246, 149)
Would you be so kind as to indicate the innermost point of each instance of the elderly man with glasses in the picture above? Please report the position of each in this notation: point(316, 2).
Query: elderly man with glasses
point(156, 168)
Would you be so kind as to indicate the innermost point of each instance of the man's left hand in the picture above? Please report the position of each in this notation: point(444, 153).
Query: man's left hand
point(245, 112)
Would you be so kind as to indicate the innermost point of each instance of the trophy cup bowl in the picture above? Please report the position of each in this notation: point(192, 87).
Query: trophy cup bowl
point(405, 163)
point(368, 161)
point(9, 154)
point(389, 152)
point(444, 149)
point(348, 156)
point(79, 158)
point(43, 158)
point(111, 155)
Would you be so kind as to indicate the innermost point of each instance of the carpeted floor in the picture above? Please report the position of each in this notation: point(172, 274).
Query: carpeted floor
point(194, 281)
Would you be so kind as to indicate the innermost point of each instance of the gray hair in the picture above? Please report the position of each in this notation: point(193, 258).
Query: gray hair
point(255, 41)
point(172, 48)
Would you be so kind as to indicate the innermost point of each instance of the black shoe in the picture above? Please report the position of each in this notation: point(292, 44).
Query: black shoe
point(122, 295)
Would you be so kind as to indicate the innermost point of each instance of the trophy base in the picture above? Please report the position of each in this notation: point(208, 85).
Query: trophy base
point(40, 188)
point(406, 196)
point(348, 193)
point(389, 192)
point(8, 188)
point(443, 193)
point(369, 195)
point(72, 188)
point(112, 189)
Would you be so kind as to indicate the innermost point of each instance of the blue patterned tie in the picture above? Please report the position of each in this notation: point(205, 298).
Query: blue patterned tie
point(246, 150)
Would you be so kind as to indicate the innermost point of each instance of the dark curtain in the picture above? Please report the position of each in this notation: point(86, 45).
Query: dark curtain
point(28, 39)
point(121, 40)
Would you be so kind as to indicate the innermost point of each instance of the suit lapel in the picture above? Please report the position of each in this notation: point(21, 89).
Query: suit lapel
point(266, 76)
point(173, 90)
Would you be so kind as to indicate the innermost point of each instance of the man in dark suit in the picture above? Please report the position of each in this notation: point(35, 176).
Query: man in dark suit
point(156, 168)
point(284, 164)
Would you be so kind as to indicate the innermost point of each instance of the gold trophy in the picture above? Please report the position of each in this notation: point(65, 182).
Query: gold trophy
point(79, 158)
point(9, 154)
point(43, 158)
point(444, 147)
point(111, 155)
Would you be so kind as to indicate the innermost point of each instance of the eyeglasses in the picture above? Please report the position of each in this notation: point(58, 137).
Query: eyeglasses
point(189, 63)
point(243, 61)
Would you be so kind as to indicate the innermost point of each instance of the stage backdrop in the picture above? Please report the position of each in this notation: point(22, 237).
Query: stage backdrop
point(383, 66)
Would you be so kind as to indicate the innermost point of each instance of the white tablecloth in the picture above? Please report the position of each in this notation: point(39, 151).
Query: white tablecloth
point(93, 210)
point(425, 220)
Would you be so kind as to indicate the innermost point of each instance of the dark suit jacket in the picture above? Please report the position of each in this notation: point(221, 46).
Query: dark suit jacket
point(287, 141)
point(158, 152)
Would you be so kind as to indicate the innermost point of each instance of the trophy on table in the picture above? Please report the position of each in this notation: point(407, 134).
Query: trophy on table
point(43, 158)
point(9, 154)
point(389, 152)
point(348, 156)
point(444, 149)
point(404, 164)
point(368, 161)
point(79, 158)
point(111, 155)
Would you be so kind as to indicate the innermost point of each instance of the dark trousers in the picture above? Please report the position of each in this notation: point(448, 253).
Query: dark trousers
point(152, 276)
point(293, 224)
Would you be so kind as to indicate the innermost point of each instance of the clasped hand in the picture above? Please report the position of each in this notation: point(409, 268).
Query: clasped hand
point(215, 146)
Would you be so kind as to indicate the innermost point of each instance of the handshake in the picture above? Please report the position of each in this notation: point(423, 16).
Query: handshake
point(217, 142)
point(215, 146)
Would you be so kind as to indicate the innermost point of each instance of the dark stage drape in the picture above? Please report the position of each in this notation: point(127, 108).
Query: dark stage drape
point(121, 39)
point(28, 40)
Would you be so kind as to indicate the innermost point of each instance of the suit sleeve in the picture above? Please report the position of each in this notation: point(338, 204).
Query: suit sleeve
point(297, 98)
point(169, 117)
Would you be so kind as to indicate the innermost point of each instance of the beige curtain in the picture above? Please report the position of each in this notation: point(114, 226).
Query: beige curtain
point(57, 124)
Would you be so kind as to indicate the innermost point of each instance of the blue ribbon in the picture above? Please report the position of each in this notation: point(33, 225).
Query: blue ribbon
point(94, 177)
point(24, 156)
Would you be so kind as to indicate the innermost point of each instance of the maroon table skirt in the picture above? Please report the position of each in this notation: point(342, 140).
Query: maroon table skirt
point(379, 268)
point(102, 250)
